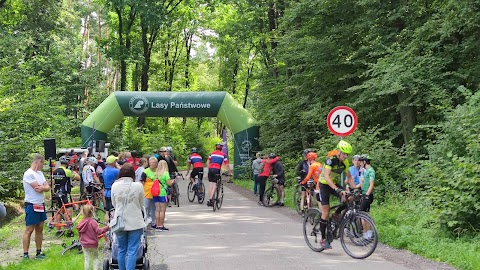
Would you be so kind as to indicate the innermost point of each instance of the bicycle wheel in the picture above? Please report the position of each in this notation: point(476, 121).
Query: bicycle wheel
point(311, 230)
point(271, 196)
point(191, 192)
point(220, 197)
point(177, 194)
point(201, 193)
point(297, 197)
point(75, 246)
point(215, 196)
point(99, 215)
point(358, 235)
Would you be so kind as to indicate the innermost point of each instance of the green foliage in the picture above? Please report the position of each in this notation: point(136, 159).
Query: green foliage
point(407, 224)
point(454, 169)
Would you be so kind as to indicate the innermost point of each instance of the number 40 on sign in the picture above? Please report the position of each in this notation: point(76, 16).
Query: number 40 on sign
point(342, 121)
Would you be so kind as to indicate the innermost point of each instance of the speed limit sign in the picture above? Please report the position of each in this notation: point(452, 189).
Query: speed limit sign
point(342, 121)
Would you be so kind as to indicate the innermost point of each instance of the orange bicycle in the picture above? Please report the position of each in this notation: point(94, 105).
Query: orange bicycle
point(64, 222)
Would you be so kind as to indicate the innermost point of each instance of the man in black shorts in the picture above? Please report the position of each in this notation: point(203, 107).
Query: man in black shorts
point(63, 182)
point(196, 161)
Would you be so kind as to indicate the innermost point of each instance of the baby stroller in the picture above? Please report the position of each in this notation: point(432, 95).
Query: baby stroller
point(142, 261)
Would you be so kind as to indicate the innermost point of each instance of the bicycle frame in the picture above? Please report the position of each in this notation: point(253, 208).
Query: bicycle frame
point(63, 210)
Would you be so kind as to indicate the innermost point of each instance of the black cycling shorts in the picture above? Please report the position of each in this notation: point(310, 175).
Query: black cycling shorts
point(213, 175)
point(195, 172)
point(63, 199)
point(324, 196)
point(92, 189)
point(365, 204)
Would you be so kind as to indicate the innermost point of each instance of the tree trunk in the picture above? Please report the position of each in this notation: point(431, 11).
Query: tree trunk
point(407, 117)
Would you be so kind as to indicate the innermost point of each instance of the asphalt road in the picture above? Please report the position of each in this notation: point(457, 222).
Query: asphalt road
point(244, 235)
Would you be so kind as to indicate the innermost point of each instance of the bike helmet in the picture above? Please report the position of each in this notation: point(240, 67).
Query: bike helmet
point(169, 149)
point(272, 155)
point(63, 159)
point(306, 151)
point(92, 160)
point(219, 146)
point(162, 149)
point(312, 156)
point(194, 150)
point(365, 157)
point(344, 147)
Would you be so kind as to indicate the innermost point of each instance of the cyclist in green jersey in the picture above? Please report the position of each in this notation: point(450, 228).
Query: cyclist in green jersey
point(332, 169)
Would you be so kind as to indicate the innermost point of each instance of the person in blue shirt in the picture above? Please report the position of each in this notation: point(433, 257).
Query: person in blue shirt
point(110, 174)
point(355, 170)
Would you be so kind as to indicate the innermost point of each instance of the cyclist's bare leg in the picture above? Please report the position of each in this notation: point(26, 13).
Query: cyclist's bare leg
point(281, 188)
point(302, 200)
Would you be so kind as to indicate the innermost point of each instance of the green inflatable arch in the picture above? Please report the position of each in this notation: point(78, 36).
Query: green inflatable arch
point(177, 104)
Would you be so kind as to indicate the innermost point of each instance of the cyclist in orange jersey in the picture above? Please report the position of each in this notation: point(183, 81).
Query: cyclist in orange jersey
point(314, 171)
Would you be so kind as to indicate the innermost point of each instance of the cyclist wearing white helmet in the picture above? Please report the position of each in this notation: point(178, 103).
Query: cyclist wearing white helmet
point(90, 178)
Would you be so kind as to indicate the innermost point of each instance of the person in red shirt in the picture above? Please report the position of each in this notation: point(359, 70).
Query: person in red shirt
point(264, 174)
point(214, 164)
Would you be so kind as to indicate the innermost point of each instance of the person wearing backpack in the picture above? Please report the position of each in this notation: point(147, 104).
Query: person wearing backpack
point(63, 182)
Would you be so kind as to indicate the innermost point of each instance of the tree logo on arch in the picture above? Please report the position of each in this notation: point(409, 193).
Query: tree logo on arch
point(138, 104)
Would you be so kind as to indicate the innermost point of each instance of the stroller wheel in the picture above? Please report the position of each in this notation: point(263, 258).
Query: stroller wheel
point(106, 264)
point(146, 265)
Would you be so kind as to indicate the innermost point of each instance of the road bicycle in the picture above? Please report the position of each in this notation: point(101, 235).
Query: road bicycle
point(196, 189)
point(174, 191)
point(218, 195)
point(272, 194)
point(355, 229)
point(308, 202)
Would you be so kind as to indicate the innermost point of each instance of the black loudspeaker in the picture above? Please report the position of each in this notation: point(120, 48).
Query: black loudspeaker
point(100, 146)
point(50, 148)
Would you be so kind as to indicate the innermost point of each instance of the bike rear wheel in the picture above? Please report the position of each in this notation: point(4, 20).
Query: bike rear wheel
point(271, 196)
point(311, 230)
point(201, 193)
point(215, 196)
point(358, 235)
point(297, 197)
point(177, 194)
point(220, 197)
point(191, 191)
point(75, 246)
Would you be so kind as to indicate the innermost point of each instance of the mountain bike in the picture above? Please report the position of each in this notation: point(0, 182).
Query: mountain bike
point(64, 222)
point(218, 195)
point(308, 202)
point(196, 188)
point(356, 229)
point(272, 194)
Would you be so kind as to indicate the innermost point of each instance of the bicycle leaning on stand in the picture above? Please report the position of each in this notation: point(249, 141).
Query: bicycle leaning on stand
point(356, 229)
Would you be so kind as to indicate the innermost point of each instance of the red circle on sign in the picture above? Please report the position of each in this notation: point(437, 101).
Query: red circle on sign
point(339, 112)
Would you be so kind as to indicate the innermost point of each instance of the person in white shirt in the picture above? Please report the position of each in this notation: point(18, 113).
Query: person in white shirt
point(34, 185)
